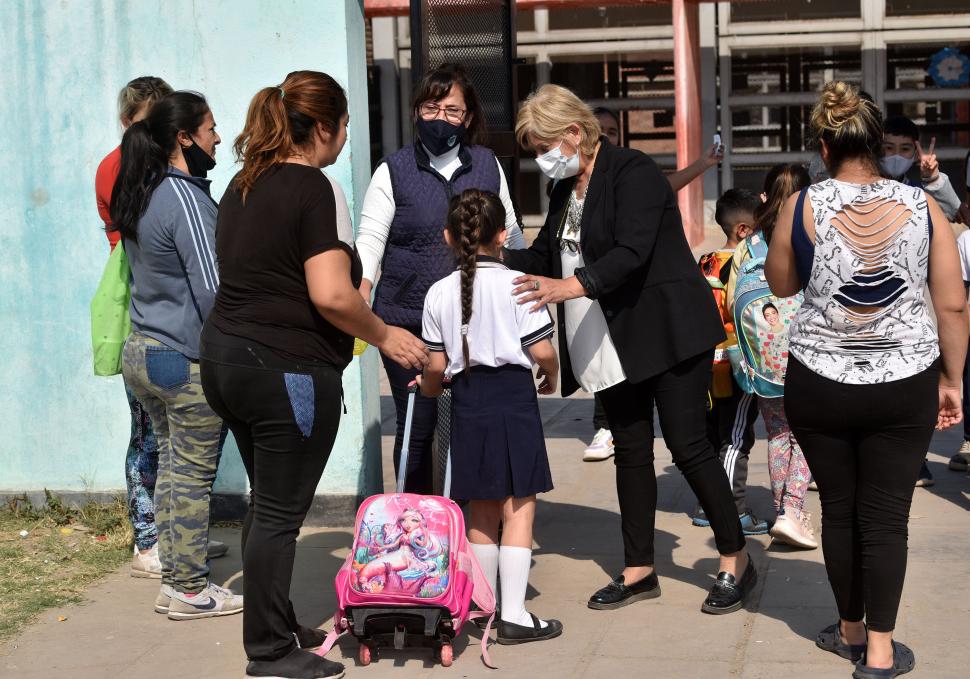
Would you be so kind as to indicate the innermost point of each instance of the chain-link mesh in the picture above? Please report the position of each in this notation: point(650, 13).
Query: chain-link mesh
point(476, 34)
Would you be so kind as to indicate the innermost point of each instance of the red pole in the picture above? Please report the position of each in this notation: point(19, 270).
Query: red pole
point(687, 121)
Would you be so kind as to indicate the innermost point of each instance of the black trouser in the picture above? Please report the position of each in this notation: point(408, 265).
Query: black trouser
point(730, 428)
point(284, 417)
point(864, 444)
point(599, 414)
point(420, 472)
point(681, 398)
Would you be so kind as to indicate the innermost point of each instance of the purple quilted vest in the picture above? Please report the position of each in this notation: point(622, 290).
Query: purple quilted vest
point(416, 256)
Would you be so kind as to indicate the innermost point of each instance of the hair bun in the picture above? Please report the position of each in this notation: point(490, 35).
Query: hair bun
point(839, 103)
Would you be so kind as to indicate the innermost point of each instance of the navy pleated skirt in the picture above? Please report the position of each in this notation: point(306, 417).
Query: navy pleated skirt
point(498, 449)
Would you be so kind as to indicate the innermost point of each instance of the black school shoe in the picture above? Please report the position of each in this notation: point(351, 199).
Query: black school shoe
point(727, 594)
point(903, 661)
point(830, 639)
point(297, 664)
point(617, 594)
point(509, 633)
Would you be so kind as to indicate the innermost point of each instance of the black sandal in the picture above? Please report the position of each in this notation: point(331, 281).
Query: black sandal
point(903, 661)
point(830, 639)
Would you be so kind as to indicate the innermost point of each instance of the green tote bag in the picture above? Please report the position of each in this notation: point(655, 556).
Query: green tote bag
point(110, 321)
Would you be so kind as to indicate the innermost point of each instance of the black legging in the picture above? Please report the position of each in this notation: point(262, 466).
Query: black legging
point(681, 398)
point(284, 417)
point(864, 444)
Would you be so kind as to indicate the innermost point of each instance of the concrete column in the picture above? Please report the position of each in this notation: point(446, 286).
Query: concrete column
point(63, 428)
point(687, 121)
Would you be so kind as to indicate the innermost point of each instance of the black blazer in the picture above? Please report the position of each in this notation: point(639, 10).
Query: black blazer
point(659, 308)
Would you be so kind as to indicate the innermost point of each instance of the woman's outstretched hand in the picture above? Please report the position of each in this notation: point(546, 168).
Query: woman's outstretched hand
point(543, 291)
point(404, 348)
point(951, 411)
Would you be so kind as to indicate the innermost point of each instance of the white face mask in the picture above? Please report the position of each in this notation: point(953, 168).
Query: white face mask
point(556, 166)
point(897, 165)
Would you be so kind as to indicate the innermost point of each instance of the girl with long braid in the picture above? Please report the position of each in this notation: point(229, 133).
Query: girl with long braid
point(487, 343)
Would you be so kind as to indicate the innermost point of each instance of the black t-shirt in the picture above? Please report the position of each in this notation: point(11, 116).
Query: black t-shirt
point(289, 216)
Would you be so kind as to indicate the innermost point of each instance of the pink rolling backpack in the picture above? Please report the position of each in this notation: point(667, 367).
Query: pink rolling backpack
point(411, 576)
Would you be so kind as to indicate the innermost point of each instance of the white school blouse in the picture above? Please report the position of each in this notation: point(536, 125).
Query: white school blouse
point(499, 331)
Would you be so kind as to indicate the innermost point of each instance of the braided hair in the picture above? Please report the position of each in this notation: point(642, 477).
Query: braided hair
point(474, 218)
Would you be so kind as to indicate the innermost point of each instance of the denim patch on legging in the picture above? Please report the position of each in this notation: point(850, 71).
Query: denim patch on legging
point(299, 388)
point(166, 368)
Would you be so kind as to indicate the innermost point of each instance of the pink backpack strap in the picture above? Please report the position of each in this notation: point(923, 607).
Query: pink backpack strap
point(338, 630)
point(488, 628)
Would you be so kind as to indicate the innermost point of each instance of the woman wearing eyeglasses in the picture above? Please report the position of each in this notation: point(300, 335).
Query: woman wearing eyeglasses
point(401, 231)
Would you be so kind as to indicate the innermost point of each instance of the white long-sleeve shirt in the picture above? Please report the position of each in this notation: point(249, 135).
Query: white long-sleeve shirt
point(379, 207)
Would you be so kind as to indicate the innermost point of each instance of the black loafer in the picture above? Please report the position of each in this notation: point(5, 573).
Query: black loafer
point(617, 594)
point(830, 639)
point(903, 661)
point(727, 594)
point(509, 633)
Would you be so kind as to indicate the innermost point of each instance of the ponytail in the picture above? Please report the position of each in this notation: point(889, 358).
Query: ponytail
point(264, 140)
point(143, 165)
point(281, 120)
point(474, 217)
point(146, 148)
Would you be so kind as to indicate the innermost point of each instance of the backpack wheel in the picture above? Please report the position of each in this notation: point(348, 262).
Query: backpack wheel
point(447, 655)
point(364, 654)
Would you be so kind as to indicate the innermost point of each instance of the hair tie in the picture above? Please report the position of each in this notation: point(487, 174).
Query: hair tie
point(464, 329)
point(282, 92)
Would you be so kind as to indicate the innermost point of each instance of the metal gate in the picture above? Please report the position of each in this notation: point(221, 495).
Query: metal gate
point(480, 35)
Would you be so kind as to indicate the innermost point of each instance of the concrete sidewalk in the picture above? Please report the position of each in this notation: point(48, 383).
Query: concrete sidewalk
point(577, 534)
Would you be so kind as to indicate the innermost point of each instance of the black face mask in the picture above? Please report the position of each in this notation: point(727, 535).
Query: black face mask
point(198, 161)
point(440, 136)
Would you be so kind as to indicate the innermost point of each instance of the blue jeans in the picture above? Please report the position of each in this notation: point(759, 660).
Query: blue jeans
point(141, 471)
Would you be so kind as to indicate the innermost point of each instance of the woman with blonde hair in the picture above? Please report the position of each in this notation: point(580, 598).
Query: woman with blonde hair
point(865, 252)
point(612, 254)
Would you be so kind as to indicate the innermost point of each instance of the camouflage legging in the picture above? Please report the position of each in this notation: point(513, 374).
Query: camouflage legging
point(188, 434)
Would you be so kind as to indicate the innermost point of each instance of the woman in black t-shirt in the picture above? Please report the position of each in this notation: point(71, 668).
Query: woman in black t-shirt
point(275, 345)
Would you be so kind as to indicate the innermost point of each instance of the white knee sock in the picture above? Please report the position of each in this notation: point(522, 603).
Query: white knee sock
point(487, 556)
point(514, 564)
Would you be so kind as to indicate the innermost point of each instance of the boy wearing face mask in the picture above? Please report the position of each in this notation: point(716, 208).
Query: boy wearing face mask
point(902, 153)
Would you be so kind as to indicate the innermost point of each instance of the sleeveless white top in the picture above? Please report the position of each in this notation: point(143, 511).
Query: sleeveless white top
point(865, 319)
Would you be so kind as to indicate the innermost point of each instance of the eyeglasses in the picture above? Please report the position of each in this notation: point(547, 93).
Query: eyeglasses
point(430, 111)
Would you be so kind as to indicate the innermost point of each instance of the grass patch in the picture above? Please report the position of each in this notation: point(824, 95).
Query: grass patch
point(65, 550)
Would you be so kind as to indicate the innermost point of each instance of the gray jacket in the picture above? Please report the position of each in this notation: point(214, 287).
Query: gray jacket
point(173, 265)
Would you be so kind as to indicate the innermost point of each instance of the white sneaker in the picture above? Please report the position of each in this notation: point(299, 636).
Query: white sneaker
point(792, 529)
point(961, 461)
point(211, 602)
point(164, 599)
point(145, 564)
point(601, 448)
